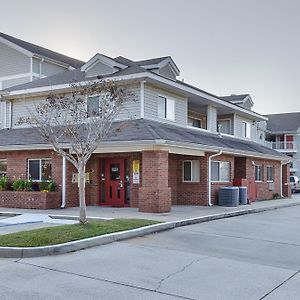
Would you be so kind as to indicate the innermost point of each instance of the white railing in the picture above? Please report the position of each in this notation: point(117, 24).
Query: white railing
point(286, 146)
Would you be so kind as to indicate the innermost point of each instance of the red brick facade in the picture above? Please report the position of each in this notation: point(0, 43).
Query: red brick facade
point(161, 179)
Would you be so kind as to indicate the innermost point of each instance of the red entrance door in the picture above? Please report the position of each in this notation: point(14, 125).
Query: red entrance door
point(114, 182)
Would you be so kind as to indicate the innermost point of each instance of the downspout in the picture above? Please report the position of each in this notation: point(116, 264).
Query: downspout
point(63, 184)
point(281, 179)
point(209, 175)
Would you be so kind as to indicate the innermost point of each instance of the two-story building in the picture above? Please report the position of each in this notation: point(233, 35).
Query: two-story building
point(179, 146)
point(283, 132)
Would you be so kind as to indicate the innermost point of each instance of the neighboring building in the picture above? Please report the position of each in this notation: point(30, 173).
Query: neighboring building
point(171, 142)
point(22, 62)
point(283, 132)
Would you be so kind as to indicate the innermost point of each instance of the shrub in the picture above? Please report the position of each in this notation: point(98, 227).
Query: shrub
point(3, 183)
point(47, 186)
point(276, 196)
point(22, 185)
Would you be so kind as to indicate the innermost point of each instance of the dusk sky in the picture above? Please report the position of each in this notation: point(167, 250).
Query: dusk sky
point(224, 47)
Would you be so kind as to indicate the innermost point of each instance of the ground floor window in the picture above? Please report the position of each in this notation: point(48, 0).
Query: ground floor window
point(39, 169)
point(220, 171)
point(270, 173)
point(191, 171)
point(258, 173)
point(3, 167)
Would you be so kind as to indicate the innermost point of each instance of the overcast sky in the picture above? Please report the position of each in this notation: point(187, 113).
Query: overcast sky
point(222, 46)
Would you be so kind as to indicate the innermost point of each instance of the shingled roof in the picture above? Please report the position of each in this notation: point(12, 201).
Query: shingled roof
point(285, 122)
point(148, 130)
point(38, 50)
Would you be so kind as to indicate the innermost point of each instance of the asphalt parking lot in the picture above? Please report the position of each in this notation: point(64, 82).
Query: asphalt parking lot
point(248, 257)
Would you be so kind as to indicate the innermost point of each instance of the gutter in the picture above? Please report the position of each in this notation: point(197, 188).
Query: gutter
point(209, 175)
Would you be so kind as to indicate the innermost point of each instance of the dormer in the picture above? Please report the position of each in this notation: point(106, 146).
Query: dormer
point(164, 66)
point(243, 100)
point(101, 65)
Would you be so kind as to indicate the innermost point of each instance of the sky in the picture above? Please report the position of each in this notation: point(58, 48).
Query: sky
point(221, 46)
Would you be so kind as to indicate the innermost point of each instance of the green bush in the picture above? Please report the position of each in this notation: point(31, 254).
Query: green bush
point(47, 186)
point(3, 183)
point(22, 185)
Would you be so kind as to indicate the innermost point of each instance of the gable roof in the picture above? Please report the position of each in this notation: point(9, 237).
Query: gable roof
point(41, 51)
point(235, 98)
point(284, 123)
point(141, 130)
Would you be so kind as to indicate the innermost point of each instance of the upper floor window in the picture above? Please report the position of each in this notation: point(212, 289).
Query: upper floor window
point(93, 106)
point(191, 171)
point(220, 171)
point(270, 173)
point(194, 122)
point(166, 108)
point(258, 173)
point(224, 126)
point(3, 167)
point(246, 130)
point(39, 169)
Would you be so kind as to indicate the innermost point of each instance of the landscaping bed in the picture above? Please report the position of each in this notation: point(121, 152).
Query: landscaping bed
point(67, 233)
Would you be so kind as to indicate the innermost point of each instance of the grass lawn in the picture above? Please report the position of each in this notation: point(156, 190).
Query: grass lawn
point(66, 233)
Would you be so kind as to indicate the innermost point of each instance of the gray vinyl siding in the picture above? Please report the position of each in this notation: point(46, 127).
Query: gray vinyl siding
point(99, 69)
point(13, 82)
point(13, 62)
point(2, 115)
point(132, 109)
point(211, 118)
point(238, 121)
point(151, 105)
point(167, 72)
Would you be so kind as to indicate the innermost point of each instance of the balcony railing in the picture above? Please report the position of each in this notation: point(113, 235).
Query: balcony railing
point(284, 146)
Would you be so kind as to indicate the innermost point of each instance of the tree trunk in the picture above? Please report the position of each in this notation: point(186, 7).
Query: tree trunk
point(81, 186)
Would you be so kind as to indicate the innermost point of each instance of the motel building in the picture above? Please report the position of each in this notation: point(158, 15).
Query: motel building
point(179, 145)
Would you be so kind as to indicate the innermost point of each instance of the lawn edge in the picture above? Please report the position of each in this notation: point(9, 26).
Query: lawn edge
point(26, 252)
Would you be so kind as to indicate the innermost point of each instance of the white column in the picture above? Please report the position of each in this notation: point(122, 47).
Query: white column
point(211, 118)
point(63, 183)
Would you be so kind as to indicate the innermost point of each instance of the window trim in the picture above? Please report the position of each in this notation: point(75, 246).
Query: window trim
point(244, 133)
point(40, 168)
point(195, 118)
point(166, 108)
point(262, 170)
point(191, 161)
point(273, 173)
point(221, 181)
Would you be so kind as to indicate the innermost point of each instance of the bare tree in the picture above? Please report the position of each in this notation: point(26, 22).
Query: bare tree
point(76, 122)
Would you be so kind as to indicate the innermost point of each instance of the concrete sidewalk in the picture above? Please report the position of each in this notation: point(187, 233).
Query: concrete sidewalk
point(178, 213)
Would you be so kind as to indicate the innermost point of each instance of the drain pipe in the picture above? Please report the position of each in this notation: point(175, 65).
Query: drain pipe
point(209, 175)
point(63, 184)
point(281, 179)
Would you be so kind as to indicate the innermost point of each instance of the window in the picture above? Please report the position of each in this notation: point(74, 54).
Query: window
point(246, 130)
point(194, 122)
point(258, 173)
point(270, 173)
point(220, 171)
point(39, 169)
point(191, 171)
point(93, 106)
point(3, 167)
point(224, 126)
point(166, 108)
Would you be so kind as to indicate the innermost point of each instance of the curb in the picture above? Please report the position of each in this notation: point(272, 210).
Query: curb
point(26, 252)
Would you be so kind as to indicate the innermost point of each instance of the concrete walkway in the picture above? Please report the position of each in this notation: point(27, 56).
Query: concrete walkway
point(179, 212)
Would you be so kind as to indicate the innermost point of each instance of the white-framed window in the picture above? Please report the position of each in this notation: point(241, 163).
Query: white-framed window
point(166, 108)
point(93, 106)
point(191, 171)
point(220, 171)
point(270, 173)
point(3, 167)
point(194, 122)
point(39, 169)
point(246, 130)
point(258, 173)
point(224, 126)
